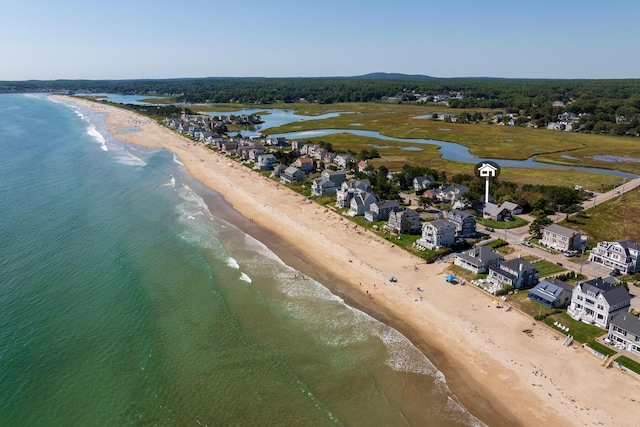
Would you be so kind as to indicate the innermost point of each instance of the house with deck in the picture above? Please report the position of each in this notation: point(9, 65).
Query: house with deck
point(292, 174)
point(561, 238)
point(328, 182)
point(464, 221)
point(479, 259)
point(624, 332)
point(305, 164)
point(360, 203)
point(519, 273)
point(623, 255)
point(597, 300)
point(437, 234)
point(405, 221)
point(551, 293)
point(379, 211)
point(348, 189)
point(265, 162)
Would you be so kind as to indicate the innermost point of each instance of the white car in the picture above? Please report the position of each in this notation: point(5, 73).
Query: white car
point(570, 253)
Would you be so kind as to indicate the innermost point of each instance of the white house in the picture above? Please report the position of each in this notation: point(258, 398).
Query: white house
point(265, 161)
point(406, 221)
point(360, 203)
point(437, 234)
point(623, 255)
point(597, 300)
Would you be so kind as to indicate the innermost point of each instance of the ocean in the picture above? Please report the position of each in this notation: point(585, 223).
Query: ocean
point(127, 299)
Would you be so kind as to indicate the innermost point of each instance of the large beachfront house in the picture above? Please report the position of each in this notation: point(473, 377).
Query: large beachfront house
point(360, 203)
point(464, 221)
point(561, 238)
point(348, 189)
point(292, 174)
point(598, 300)
point(624, 331)
point(519, 273)
point(406, 221)
point(437, 234)
point(479, 259)
point(328, 183)
point(623, 255)
point(552, 293)
point(379, 211)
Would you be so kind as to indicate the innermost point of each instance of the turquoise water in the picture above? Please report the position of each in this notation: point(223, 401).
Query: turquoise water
point(126, 300)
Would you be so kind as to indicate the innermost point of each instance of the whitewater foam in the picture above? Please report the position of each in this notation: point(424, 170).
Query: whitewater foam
point(177, 160)
point(231, 262)
point(126, 158)
point(246, 278)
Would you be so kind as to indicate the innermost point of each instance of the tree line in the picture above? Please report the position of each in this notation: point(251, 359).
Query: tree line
point(604, 106)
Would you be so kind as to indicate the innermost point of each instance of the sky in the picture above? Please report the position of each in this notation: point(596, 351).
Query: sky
point(151, 39)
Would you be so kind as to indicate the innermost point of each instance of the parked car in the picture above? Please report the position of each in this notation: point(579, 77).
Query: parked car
point(527, 243)
point(615, 272)
point(570, 253)
point(489, 228)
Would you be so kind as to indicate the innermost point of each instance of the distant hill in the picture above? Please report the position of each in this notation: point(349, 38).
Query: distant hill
point(392, 76)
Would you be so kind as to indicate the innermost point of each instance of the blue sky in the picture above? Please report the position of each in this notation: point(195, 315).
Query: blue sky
point(117, 39)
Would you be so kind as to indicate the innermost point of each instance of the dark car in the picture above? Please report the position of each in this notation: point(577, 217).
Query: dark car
point(615, 272)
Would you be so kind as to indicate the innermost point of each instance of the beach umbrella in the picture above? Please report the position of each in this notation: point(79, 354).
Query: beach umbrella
point(449, 277)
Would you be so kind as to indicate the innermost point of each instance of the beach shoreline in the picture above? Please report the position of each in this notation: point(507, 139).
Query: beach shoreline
point(500, 374)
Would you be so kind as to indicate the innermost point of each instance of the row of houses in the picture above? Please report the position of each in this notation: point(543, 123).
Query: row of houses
point(622, 255)
point(597, 301)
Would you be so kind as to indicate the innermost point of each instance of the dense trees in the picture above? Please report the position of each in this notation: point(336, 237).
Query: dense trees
point(611, 106)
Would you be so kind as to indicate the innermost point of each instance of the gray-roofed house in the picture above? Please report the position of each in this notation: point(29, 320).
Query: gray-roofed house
point(265, 162)
point(624, 331)
point(561, 238)
point(552, 293)
point(623, 255)
point(278, 170)
point(421, 183)
point(292, 174)
point(348, 189)
point(360, 203)
point(519, 273)
point(406, 221)
point(465, 222)
point(597, 300)
point(452, 193)
point(478, 260)
point(328, 183)
point(437, 234)
point(379, 211)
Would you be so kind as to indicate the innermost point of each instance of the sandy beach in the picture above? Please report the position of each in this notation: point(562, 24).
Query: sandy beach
point(500, 374)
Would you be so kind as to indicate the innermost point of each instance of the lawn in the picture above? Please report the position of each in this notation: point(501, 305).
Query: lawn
point(630, 364)
point(514, 223)
point(612, 220)
point(581, 332)
point(546, 268)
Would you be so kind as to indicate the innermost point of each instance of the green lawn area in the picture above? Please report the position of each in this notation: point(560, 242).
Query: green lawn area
point(545, 268)
point(514, 223)
point(612, 220)
point(630, 364)
point(581, 331)
point(601, 348)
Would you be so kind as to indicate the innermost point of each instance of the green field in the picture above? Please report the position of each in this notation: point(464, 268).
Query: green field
point(612, 220)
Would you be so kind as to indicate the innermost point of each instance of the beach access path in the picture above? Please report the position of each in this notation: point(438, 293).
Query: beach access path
point(503, 375)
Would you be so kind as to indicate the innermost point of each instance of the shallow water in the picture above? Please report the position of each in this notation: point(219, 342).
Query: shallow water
point(126, 299)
